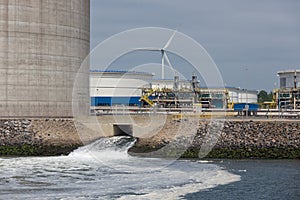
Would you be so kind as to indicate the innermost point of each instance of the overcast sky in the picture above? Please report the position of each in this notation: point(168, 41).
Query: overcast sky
point(249, 40)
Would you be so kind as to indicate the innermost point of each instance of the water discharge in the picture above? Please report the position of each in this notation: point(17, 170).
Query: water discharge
point(104, 170)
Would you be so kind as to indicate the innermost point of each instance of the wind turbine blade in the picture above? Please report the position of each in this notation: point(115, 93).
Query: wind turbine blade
point(170, 40)
point(168, 60)
point(146, 49)
point(169, 63)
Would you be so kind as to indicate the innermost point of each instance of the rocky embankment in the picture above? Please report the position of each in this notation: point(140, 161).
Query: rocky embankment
point(188, 138)
point(218, 139)
point(35, 137)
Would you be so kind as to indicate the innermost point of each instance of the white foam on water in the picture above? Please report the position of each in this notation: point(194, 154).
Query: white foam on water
point(195, 183)
point(105, 149)
point(104, 170)
point(204, 161)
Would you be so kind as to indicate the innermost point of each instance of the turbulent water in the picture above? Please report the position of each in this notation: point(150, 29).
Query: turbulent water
point(104, 170)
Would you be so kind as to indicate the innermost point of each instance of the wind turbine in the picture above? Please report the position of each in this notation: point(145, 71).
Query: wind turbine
point(164, 56)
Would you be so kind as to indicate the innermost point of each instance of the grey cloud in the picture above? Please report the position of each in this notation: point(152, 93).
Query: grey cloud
point(263, 35)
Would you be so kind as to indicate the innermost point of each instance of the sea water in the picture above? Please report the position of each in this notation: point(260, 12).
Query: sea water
point(104, 170)
point(260, 179)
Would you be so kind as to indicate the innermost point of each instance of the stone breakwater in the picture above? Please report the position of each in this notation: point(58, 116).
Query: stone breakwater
point(188, 138)
point(35, 137)
point(236, 139)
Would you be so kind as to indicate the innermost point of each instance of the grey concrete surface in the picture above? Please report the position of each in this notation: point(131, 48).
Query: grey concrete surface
point(42, 45)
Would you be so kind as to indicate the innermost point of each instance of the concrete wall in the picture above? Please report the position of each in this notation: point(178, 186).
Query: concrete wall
point(42, 45)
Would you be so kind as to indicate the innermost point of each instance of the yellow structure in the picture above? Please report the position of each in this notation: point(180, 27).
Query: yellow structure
point(287, 98)
point(146, 95)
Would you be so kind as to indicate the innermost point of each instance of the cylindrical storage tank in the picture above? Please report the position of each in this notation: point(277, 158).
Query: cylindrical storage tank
point(247, 96)
point(42, 45)
point(252, 97)
point(110, 88)
point(233, 96)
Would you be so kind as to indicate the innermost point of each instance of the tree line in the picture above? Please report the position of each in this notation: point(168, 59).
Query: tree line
point(264, 96)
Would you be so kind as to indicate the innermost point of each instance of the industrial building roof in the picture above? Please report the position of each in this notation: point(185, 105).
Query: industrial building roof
point(288, 71)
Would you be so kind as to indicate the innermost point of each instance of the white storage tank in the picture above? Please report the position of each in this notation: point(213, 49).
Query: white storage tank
point(247, 96)
point(109, 88)
point(237, 95)
point(233, 95)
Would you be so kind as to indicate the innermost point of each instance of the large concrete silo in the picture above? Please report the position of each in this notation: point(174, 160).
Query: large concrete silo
point(42, 45)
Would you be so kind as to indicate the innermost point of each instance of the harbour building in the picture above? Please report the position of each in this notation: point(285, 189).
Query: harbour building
point(288, 95)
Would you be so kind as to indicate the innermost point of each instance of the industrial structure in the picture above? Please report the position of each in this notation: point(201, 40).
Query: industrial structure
point(43, 44)
point(289, 78)
point(288, 95)
point(111, 88)
point(226, 97)
point(184, 93)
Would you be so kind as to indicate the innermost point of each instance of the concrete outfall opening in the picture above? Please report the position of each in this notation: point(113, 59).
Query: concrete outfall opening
point(122, 129)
